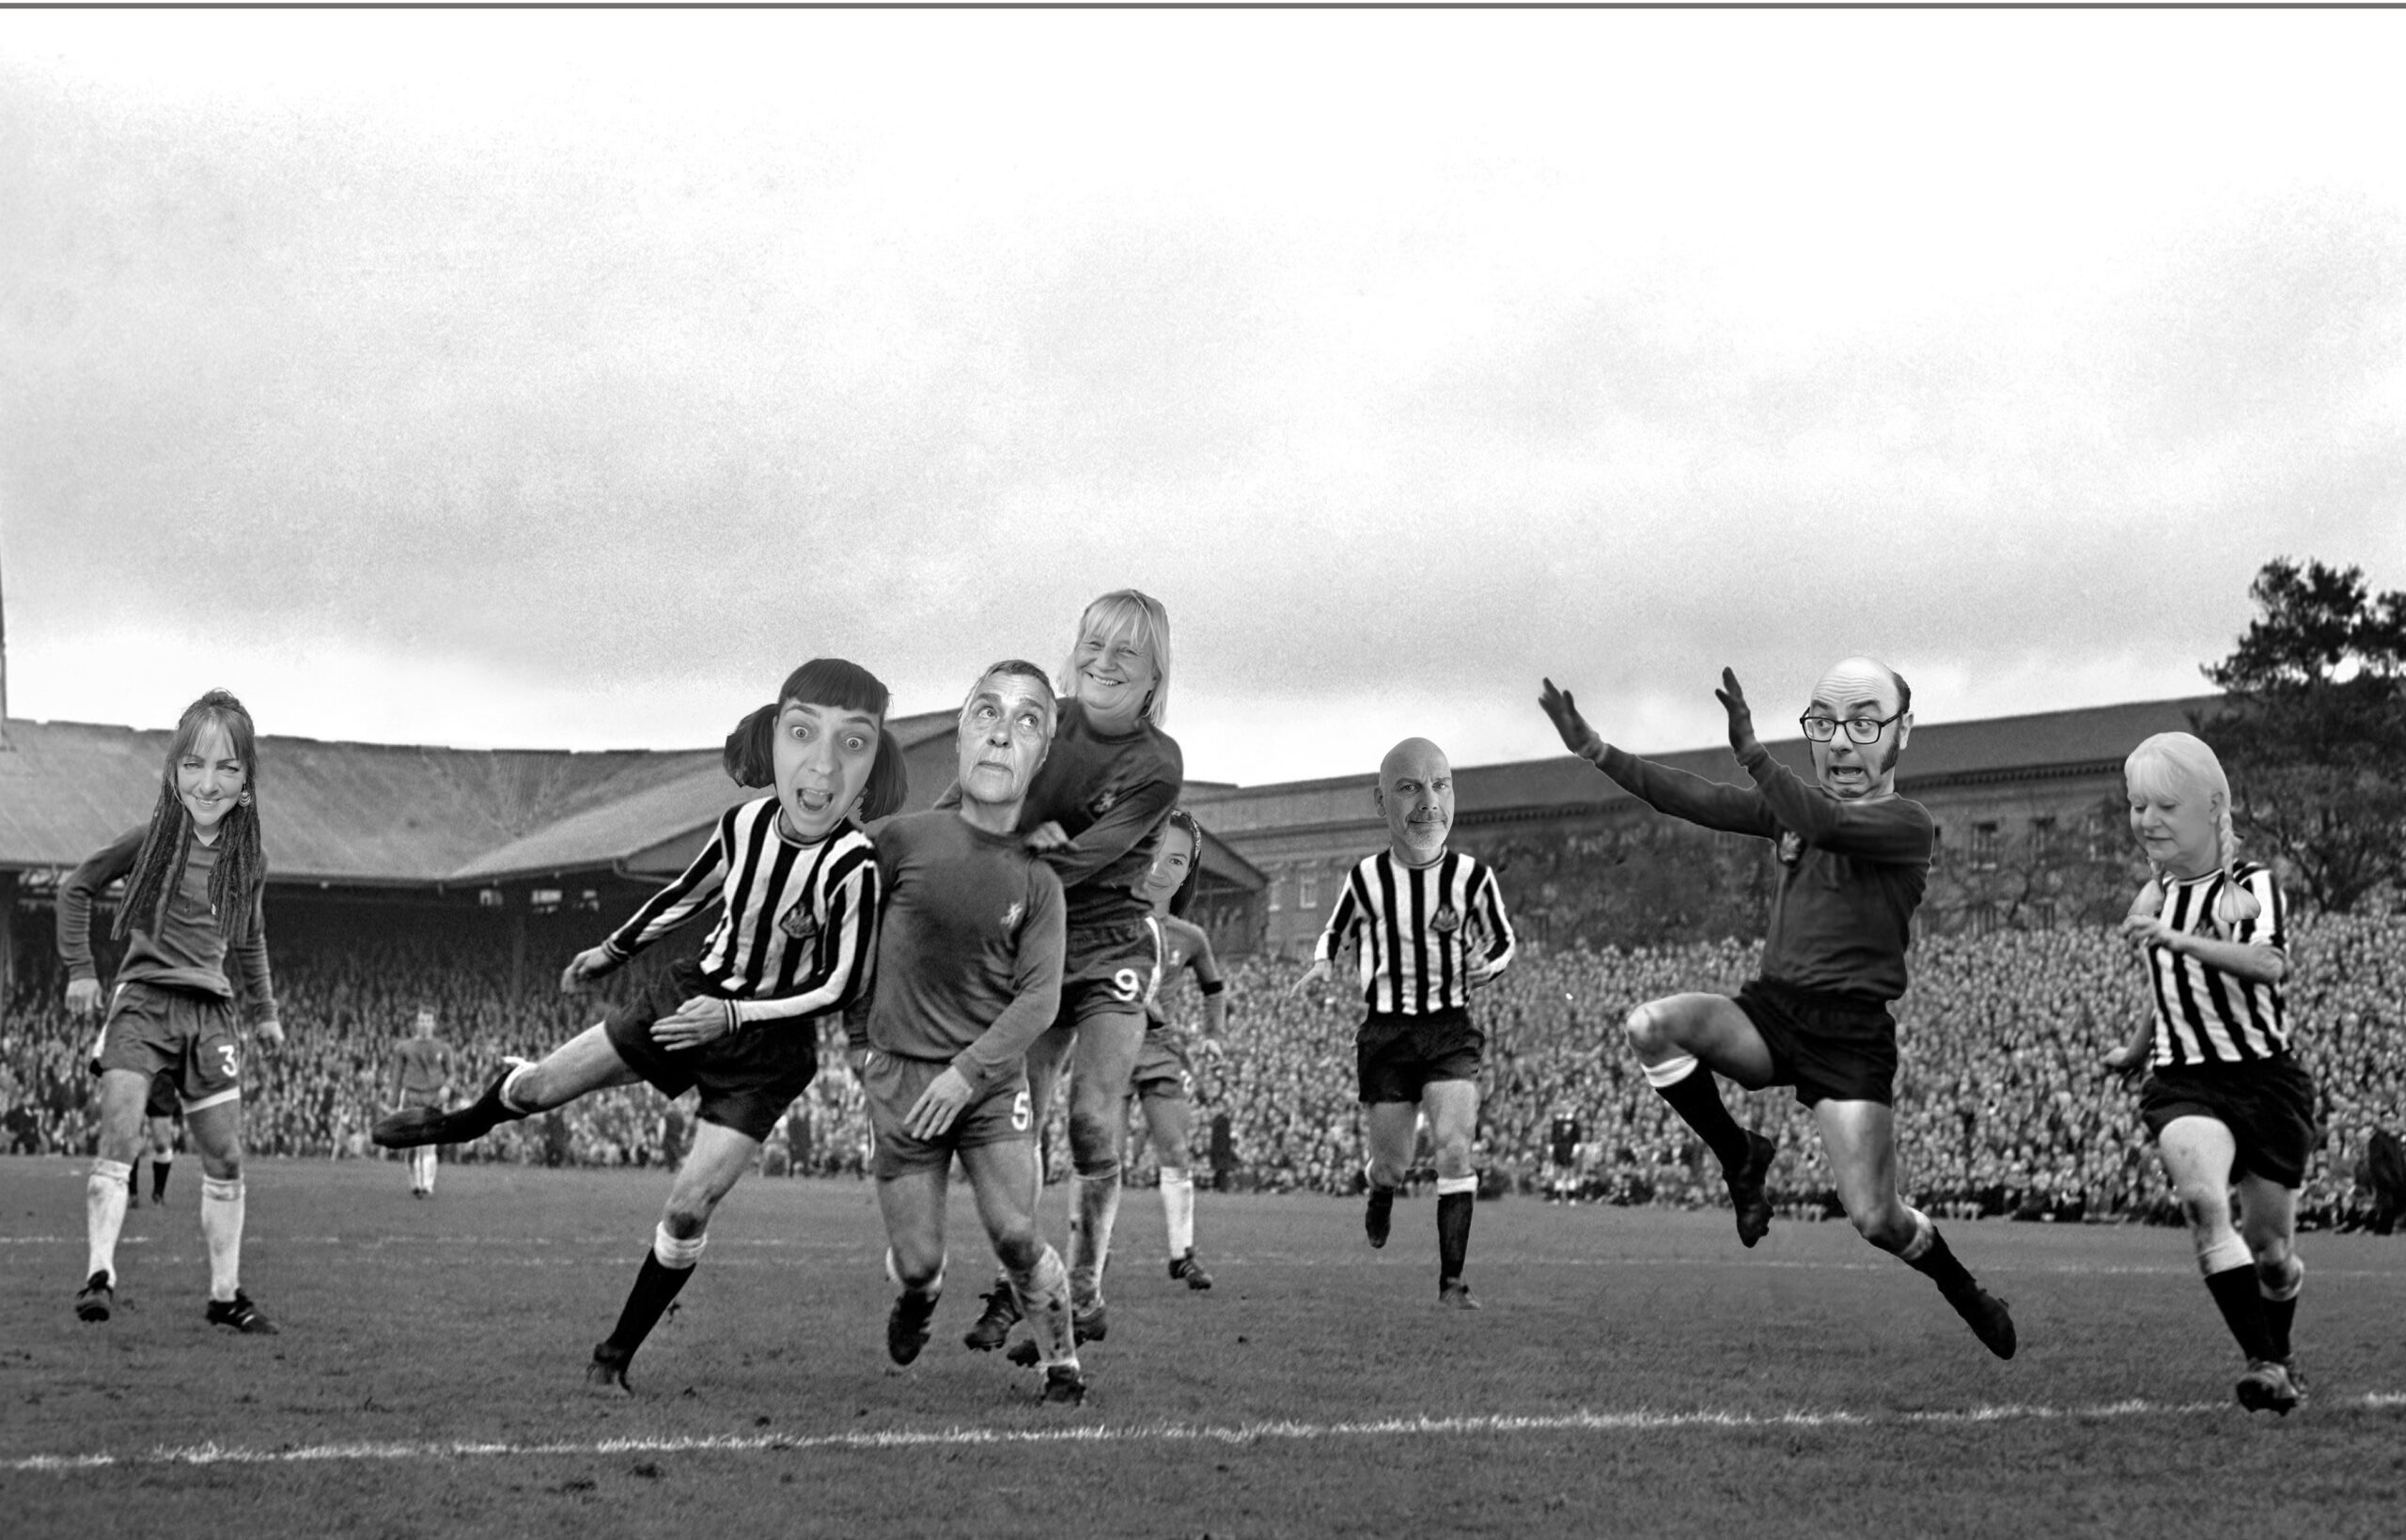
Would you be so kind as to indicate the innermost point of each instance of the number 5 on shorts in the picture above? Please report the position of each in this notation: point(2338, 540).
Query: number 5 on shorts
point(1023, 1112)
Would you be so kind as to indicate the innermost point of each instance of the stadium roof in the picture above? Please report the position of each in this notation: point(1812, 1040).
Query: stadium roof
point(377, 815)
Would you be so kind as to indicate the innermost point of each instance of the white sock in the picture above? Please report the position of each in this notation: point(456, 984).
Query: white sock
point(1178, 1209)
point(1671, 1071)
point(1098, 1200)
point(104, 1195)
point(674, 1253)
point(1043, 1292)
point(221, 1226)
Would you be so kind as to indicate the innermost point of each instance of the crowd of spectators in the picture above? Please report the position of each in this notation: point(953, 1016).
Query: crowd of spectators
point(2003, 1107)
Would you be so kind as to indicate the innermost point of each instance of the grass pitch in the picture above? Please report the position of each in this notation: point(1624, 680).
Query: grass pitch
point(1632, 1372)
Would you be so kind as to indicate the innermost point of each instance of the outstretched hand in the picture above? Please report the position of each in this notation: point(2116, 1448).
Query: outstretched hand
point(1577, 736)
point(1741, 716)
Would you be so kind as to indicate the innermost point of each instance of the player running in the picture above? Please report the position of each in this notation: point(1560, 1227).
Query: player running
point(797, 884)
point(968, 972)
point(1854, 858)
point(1163, 1080)
point(1094, 812)
point(163, 1116)
point(2224, 1096)
point(194, 881)
point(1429, 927)
point(422, 1078)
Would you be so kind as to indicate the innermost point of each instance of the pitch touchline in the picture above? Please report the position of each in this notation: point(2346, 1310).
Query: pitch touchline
point(1172, 1432)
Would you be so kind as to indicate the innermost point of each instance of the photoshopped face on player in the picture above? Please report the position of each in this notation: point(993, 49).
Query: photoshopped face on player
point(1172, 860)
point(1416, 797)
point(821, 757)
point(1858, 691)
point(1113, 673)
point(209, 778)
point(2177, 824)
point(1006, 727)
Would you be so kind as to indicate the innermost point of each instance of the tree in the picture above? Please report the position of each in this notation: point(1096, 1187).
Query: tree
point(2313, 730)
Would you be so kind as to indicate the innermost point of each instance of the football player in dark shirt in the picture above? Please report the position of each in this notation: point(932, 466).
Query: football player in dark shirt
point(1854, 858)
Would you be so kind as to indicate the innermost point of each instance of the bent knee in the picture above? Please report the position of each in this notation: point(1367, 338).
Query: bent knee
point(1017, 1248)
point(1091, 1133)
point(686, 1220)
point(1886, 1225)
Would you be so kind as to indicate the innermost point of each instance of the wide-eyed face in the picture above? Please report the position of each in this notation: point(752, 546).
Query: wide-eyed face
point(1861, 692)
point(210, 780)
point(1006, 727)
point(821, 757)
point(1113, 672)
point(1172, 860)
point(1416, 797)
point(2178, 826)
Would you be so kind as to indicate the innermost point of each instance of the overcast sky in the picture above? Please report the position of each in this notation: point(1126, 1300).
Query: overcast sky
point(531, 379)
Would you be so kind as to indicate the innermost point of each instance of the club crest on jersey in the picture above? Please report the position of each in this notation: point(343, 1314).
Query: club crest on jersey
point(1790, 847)
point(1011, 916)
point(1446, 921)
point(798, 923)
point(1102, 803)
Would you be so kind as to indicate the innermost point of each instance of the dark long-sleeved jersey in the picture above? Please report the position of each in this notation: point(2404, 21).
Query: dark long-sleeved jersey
point(1851, 873)
point(968, 948)
point(182, 946)
point(1110, 796)
point(798, 925)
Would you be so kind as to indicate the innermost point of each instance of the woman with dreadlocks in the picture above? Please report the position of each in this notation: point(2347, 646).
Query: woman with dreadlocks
point(194, 877)
point(2224, 1096)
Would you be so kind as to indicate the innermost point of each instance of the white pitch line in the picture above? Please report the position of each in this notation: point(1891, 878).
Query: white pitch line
point(1168, 1433)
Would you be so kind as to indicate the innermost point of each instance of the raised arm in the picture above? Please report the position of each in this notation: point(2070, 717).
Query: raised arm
point(1886, 828)
point(1710, 804)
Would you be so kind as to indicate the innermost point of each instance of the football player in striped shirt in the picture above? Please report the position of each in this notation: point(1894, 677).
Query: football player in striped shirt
point(2225, 1098)
point(1094, 812)
point(1854, 859)
point(797, 884)
point(422, 1078)
point(1429, 924)
point(968, 973)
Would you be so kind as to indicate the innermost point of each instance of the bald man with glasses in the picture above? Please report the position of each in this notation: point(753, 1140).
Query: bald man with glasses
point(1854, 859)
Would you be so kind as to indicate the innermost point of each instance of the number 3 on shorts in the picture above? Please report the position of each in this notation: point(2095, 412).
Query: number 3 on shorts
point(1023, 1112)
point(226, 1052)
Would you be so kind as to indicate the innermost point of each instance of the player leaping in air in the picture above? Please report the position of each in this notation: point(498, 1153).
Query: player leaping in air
point(1854, 858)
point(1430, 925)
point(968, 973)
point(798, 885)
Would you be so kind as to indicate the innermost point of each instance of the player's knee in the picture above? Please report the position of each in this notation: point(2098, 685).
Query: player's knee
point(686, 1218)
point(2203, 1207)
point(1385, 1172)
point(1649, 1029)
point(1453, 1157)
point(1017, 1248)
point(1093, 1138)
point(1888, 1225)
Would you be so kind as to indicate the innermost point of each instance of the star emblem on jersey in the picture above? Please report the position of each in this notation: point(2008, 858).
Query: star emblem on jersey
point(1010, 917)
point(1102, 803)
point(798, 923)
point(1446, 921)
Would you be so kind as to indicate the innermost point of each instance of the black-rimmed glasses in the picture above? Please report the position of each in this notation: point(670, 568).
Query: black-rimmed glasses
point(1861, 729)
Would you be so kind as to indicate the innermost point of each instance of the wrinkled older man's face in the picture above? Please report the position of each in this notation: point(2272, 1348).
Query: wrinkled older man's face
point(1415, 794)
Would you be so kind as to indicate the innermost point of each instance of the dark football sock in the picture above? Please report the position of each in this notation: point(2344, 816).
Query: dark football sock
point(2279, 1315)
point(1938, 1263)
point(133, 1177)
point(158, 1170)
point(1452, 1233)
point(2242, 1308)
point(655, 1286)
point(1696, 1098)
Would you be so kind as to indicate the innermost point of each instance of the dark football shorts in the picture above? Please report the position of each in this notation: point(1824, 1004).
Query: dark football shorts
point(1398, 1056)
point(746, 1082)
point(1106, 970)
point(893, 1084)
point(162, 1100)
point(1830, 1046)
point(1163, 1069)
point(153, 1029)
point(2267, 1105)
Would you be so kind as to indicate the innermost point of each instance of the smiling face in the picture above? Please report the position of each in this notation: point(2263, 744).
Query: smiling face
point(2178, 823)
point(1114, 672)
point(1172, 860)
point(1859, 689)
point(1005, 729)
point(822, 756)
point(210, 779)
point(1415, 795)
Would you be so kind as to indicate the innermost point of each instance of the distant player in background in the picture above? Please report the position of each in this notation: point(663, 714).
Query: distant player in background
point(1854, 859)
point(1562, 1149)
point(422, 1078)
point(1165, 1076)
point(193, 883)
point(796, 882)
point(1429, 927)
point(1094, 813)
point(968, 972)
point(2225, 1098)
point(163, 1116)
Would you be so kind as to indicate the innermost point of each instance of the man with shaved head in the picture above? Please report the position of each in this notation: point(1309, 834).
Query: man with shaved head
point(1854, 858)
point(1429, 924)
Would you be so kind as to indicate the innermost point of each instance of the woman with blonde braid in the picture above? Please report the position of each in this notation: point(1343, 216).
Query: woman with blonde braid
point(2223, 1097)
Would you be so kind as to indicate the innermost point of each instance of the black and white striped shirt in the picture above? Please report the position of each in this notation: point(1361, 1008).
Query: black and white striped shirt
point(1421, 930)
point(2204, 1015)
point(799, 930)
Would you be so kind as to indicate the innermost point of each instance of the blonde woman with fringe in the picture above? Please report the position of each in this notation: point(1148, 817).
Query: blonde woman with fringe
point(2224, 1100)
